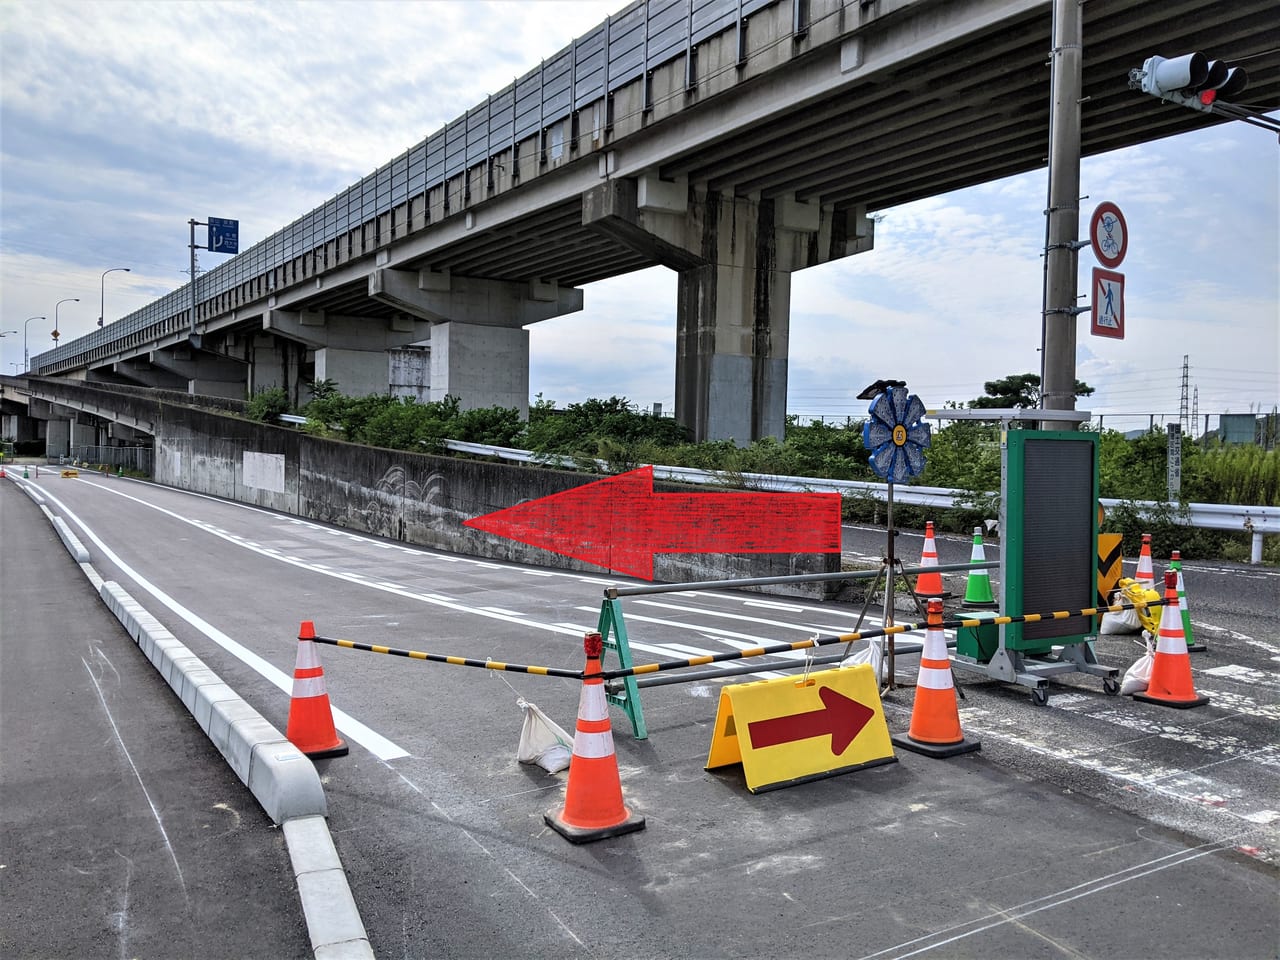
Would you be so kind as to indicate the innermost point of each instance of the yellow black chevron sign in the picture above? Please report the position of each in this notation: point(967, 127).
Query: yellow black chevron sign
point(1110, 565)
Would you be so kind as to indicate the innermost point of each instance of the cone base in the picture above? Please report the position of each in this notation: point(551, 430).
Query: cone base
point(979, 604)
point(1196, 648)
point(339, 749)
point(1199, 701)
point(936, 750)
point(631, 824)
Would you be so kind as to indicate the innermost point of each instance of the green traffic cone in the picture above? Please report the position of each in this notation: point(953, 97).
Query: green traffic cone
point(1175, 564)
point(25, 475)
point(977, 590)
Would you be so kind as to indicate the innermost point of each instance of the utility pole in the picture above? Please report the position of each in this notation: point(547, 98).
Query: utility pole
point(1058, 325)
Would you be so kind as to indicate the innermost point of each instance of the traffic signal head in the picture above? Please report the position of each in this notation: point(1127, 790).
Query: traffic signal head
point(1192, 80)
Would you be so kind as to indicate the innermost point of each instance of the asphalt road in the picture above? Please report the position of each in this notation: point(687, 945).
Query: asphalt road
point(123, 832)
point(1095, 827)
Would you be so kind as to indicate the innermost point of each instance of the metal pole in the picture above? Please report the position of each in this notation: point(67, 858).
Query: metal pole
point(192, 247)
point(890, 574)
point(102, 292)
point(1059, 325)
point(26, 357)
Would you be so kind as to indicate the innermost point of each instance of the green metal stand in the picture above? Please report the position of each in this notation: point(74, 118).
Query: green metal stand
point(613, 630)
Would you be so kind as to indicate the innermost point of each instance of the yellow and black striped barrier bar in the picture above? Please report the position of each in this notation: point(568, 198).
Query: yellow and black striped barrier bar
point(644, 668)
point(456, 661)
point(772, 648)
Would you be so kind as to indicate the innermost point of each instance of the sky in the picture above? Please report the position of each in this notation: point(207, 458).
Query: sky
point(120, 121)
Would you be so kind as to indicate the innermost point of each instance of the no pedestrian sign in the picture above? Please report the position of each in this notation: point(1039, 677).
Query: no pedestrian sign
point(1108, 304)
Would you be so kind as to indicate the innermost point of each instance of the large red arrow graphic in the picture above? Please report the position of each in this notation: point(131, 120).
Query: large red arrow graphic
point(839, 716)
point(620, 523)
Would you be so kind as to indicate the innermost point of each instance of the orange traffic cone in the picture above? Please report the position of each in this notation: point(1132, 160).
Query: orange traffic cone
point(929, 584)
point(2, 473)
point(310, 716)
point(935, 716)
point(1145, 575)
point(593, 808)
point(1170, 683)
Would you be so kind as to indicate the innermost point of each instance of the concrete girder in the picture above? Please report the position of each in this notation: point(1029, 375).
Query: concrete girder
point(142, 372)
point(193, 364)
point(320, 328)
point(440, 295)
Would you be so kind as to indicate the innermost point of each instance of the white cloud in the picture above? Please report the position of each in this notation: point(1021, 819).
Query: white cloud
point(119, 121)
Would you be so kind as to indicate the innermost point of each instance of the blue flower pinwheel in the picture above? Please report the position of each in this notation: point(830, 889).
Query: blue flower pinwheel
point(895, 436)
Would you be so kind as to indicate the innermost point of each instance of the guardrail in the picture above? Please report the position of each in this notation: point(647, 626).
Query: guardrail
point(1254, 520)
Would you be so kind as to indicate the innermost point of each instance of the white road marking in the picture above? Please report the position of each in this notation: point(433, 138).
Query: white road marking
point(372, 741)
point(1233, 671)
point(164, 834)
point(1029, 907)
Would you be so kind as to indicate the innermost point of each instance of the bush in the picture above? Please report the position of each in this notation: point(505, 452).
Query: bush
point(267, 405)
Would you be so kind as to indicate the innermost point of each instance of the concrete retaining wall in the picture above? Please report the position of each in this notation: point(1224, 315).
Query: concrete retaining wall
point(415, 498)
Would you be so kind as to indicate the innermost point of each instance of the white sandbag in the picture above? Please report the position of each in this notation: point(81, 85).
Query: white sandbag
point(1138, 676)
point(542, 740)
point(1126, 621)
point(873, 654)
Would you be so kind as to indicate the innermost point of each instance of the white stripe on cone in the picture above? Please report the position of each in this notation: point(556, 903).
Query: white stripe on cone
point(592, 704)
point(304, 687)
point(1171, 622)
point(935, 646)
point(307, 659)
point(935, 678)
point(593, 746)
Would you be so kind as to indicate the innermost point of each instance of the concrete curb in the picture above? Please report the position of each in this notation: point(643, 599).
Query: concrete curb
point(276, 772)
point(331, 911)
point(279, 775)
point(73, 544)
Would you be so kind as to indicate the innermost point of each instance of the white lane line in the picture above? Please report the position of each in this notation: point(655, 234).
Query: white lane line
point(432, 598)
point(771, 605)
point(721, 615)
point(372, 741)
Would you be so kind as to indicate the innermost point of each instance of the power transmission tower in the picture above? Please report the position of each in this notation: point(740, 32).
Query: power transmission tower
point(1182, 408)
point(1195, 408)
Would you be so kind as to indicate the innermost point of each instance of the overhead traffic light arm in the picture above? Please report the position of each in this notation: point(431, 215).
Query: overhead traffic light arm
point(1193, 80)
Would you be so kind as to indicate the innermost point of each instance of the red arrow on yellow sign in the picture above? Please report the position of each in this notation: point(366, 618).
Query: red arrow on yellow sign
point(839, 716)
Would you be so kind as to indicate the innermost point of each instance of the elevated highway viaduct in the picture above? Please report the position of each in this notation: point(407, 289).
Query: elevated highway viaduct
point(732, 141)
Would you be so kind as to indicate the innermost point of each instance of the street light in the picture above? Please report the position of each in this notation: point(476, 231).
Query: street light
point(55, 315)
point(25, 365)
point(102, 283)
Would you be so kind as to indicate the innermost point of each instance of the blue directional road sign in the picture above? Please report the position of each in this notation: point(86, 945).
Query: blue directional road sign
point(224, 235)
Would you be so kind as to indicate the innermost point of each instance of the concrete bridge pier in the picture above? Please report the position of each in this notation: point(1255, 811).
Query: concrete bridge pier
point(276, 362)
point(734, 256)
point(351, 351)
point(479, 347)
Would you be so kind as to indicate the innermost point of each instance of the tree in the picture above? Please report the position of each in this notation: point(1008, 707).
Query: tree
point(1018, 390)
